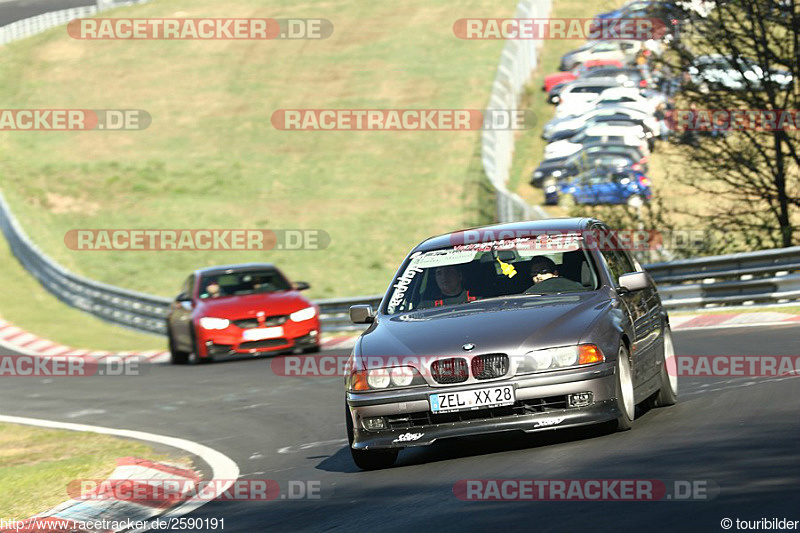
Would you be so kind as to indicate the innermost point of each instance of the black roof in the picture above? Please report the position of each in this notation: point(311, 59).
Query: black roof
point(241, 267)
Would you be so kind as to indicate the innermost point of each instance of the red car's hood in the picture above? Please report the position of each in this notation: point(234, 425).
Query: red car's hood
point(273, 303)
point(552, 80)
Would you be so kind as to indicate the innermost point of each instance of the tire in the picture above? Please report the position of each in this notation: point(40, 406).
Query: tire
point(368, 459)
point(312, 349)
point(177, 357)
point(625, 400)
point(668, 393)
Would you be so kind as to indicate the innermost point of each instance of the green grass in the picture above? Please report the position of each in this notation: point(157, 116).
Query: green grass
point(37, 465)
point(211, 158)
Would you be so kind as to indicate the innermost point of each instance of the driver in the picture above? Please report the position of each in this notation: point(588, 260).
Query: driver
point(449, 281)
point(546, 279)
point(213, 289)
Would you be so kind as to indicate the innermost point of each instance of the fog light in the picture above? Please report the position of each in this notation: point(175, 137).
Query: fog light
point(371, 424)
point(580, 399)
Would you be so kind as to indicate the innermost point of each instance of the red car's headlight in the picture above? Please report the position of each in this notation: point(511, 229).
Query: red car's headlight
point(210, 322)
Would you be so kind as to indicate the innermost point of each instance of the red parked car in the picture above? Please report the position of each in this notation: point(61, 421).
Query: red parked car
point(247, 309)
point(551, 80)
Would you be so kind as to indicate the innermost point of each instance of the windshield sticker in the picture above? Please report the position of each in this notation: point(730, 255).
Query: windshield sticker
point(528, 246)
point(449, 257)
point(403, 282)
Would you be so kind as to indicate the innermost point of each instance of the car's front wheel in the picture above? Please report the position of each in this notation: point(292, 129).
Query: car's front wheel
point(625, 402)
point(668, 393)
point(368, 459)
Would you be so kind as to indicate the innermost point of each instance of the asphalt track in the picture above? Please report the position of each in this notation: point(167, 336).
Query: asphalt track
point(742, 434)
point(13, 10)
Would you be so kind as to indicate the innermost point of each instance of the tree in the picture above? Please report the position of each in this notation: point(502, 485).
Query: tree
point(743, 56)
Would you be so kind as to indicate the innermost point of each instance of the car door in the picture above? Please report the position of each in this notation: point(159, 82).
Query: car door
point(180, 316)
point(650, 320)
point(634, 305)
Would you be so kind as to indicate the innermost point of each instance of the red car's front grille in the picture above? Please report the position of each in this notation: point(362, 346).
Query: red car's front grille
point(261, 345)
point(249, 323)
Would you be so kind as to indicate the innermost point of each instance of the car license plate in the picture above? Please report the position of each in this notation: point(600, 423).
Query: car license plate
point(444, 402)
point(259, 334)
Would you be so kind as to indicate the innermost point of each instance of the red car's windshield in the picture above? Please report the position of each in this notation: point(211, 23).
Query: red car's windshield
point(242, 283)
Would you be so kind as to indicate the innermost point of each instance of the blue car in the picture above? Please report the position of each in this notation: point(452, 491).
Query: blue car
point(602, 186)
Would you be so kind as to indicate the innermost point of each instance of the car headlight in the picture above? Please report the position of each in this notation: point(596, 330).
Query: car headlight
point(304, 314)
point(537, 174)
point(385, 378)
point(210, 322)
point(378, 378)
point(560, 358)
point(557, 173)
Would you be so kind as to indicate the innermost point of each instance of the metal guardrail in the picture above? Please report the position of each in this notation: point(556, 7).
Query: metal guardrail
point(518, 60)
point(31, 26)
point(769, 276)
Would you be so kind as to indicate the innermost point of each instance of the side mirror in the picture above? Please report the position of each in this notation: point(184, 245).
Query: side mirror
point(634, 281)
point(183, 297)
point(362, 314)
point(301, 285)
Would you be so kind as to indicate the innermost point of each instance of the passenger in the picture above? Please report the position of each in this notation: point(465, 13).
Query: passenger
point(546, 279)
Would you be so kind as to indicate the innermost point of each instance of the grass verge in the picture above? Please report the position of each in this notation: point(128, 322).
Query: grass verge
point(36, 465)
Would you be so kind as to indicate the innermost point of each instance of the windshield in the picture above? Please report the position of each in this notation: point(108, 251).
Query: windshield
point(242, 283)
point(498, 269)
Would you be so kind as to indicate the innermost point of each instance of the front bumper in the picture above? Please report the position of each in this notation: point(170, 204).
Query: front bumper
point(229, 342)
point(541, 404)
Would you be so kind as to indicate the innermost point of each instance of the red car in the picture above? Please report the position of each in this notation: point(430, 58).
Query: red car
point(551, 80)
point(248, 309)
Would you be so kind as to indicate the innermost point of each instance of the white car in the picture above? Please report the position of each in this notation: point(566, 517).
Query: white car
point(557, 125)
point(618, 50)
point(627, 96)
point(718, 71)
point(581, 92)
point(628, 135)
